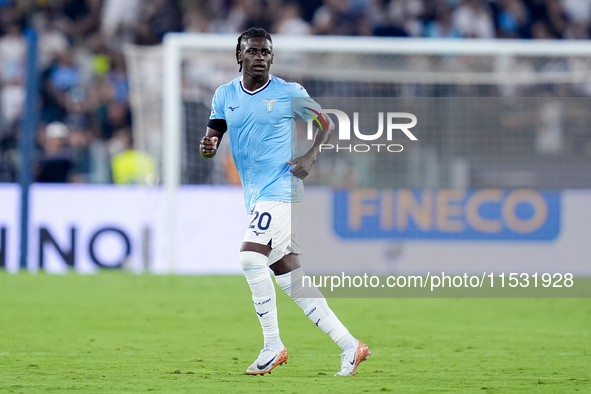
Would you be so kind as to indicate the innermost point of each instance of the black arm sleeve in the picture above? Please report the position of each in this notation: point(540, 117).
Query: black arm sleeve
point(218, 125)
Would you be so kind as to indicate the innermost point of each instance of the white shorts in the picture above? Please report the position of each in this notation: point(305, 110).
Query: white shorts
point(274, 223)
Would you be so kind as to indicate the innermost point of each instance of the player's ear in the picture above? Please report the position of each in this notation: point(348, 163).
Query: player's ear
point(272, 56)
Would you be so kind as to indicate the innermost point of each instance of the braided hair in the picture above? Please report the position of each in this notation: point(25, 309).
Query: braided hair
point(253, 32)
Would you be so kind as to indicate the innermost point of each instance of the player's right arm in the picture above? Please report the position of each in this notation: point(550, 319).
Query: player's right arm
point(210, 142)
point(216, 127)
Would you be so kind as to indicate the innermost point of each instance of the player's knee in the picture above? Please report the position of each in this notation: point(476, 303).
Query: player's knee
point(252, 260)
point(299, 286)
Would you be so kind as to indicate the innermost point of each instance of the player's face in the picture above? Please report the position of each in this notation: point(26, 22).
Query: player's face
point(257, 57)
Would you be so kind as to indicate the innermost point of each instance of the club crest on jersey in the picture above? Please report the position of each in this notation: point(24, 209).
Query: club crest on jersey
point(270, 104)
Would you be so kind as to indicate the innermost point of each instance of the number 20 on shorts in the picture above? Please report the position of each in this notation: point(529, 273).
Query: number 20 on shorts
point(264, 220)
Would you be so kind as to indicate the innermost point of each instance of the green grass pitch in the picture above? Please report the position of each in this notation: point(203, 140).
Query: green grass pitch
point(116, 332)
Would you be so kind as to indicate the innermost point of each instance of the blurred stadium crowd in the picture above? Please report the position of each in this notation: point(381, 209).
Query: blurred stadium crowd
point(85, 133)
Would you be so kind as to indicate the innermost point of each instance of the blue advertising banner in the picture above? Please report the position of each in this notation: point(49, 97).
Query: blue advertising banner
point(447, 214)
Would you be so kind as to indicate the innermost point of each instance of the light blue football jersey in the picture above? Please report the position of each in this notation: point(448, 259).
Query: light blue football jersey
point(260, 128)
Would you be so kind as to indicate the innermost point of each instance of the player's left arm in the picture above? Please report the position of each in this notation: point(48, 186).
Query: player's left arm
point(303, 164)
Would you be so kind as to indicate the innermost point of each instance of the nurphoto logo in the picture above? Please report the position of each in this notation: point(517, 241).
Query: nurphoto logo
point(393, 124)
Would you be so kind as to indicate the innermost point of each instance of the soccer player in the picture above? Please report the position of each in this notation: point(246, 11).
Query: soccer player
point(256, 110)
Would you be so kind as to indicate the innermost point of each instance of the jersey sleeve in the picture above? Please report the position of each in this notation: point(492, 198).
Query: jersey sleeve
point(217, 105)
point(217, 118)
point(303, 106)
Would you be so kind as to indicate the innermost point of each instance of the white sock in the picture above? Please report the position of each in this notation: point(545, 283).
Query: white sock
point(254, 266)
point(316, 308)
